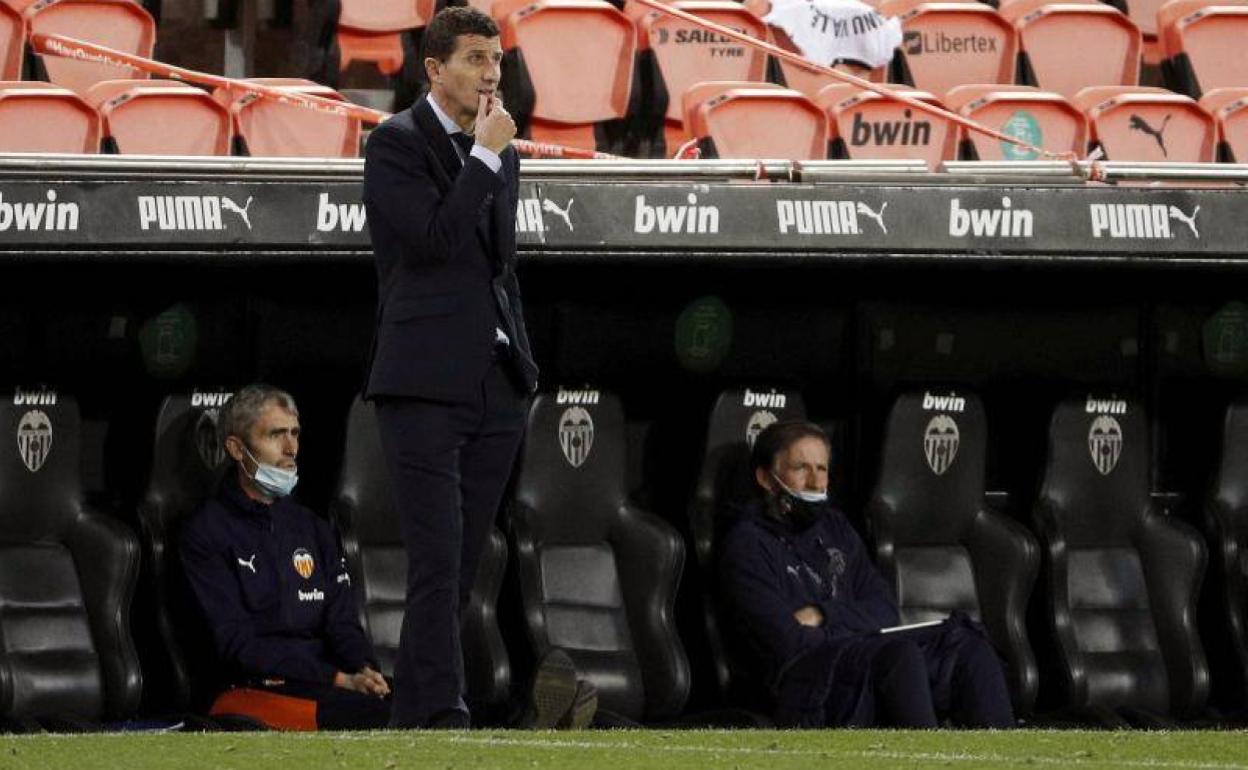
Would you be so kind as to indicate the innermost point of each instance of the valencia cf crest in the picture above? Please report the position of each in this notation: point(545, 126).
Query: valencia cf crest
point(576, 435)
point(758, 422)
point(34, 439)
point(1105, 443)
point(304, 564)
point(940, 443)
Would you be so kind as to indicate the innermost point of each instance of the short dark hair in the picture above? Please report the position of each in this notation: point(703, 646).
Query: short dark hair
point(778, 437)
point(449, 24)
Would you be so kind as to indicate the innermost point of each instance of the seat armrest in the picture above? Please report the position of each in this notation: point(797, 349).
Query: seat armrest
point(1056, 586)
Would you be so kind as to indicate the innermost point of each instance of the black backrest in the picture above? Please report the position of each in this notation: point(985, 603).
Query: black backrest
point(40, 491)
point(188, 461)
point(1230, 486)
point(1224, 605)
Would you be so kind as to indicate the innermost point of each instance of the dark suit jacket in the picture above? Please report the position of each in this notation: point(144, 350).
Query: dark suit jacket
point(444, 236)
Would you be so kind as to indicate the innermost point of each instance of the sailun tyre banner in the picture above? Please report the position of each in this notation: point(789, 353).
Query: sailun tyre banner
point(132, 217)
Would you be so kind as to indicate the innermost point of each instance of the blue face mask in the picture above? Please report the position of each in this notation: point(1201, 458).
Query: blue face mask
point(804, 495)
point(272, 480)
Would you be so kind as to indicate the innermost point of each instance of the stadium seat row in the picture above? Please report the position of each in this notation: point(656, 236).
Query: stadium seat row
point(1117, 594)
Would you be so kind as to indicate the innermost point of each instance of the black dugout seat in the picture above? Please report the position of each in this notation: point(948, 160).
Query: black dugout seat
point(1121, 579)
point(364, 512)
point(724, 484)
point(942, 548)
point(598, 577)
point(187, 463)
point(66, 576)
point(1224, 614)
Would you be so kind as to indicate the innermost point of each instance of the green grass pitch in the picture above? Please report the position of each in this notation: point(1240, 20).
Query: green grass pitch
point(623, 750)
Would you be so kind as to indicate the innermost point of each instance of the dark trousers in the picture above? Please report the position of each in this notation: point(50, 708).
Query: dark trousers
point(449, 464)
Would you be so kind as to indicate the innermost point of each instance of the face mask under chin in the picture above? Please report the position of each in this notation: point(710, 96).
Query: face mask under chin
point(800, 509)
point(272, 480)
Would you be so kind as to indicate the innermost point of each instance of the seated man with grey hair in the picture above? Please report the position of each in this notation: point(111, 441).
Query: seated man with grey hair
point(272, 583)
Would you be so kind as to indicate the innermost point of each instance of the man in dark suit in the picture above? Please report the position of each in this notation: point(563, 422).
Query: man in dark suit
point(451, 368)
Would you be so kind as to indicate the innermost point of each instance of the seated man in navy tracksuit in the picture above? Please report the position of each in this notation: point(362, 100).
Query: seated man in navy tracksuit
point(810, 605)
point(273, 586)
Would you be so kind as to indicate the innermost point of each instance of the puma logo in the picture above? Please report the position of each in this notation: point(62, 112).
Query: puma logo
point(794, 571)
point(249, 563)
point(878, 216)
point(1190, 221)
point(550, 207)
point(230, 205)
point(1139, 124)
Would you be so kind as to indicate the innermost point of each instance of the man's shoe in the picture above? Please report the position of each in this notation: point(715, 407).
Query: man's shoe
point(554, 690)
point(584, 706)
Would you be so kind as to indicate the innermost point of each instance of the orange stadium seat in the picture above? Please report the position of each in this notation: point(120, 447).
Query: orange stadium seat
point(372, 31)
point(1148, 124)
point(119, 24)
point(674, 55)
point(755, 120)
point(567, 70)
point(1203, 42)
point(161, 117)
point(951, 44)
point(800, 78)
point(1229, 107)
point(865, 125)
point(269, 128)
point(1067, 45)
point(12, 42)
point(1041, 118)
point(40, 117)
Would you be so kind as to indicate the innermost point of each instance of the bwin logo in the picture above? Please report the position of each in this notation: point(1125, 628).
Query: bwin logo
point(891, 133)
point(34, 439)
point(757, 423)
point(1005, 222)
point(950, 403)
point(940, 443)
point(34, 398)
point(343, 217)
point(1146, 221)
point(207, 443)
point(1110, 406)
point(1105, 443)
point(205, 400)
point(586, 397)
point(692, 219)
point(576, 435)
point(189, 213)
point(772, 400)
point(46, 215)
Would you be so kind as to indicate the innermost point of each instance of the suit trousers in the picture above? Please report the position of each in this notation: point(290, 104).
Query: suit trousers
point(449, 464)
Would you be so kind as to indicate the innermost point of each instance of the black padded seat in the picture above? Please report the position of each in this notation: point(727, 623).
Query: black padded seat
point(363, 509)
point(938, 542)
point(1122, 580)
point(598, 577)
point(67, 576)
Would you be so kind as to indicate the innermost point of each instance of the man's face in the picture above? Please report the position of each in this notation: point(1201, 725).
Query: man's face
point(273, 440)
point(802, 467)
point(472, 70)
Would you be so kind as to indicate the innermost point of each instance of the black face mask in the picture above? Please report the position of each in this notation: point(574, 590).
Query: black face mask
point(797, 512)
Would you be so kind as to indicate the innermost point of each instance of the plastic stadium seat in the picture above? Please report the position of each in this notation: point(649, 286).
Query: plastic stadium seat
point(119, 24)
point(1041, 118)
point(12, 42)
point(755, 120)
point(1203, 42)
point(800, 78)
point(951, 44)
point(161, 117)
point(1229, 107)
point(597, 576)
point(1122, 579)
point(674, 55)
point(371, 30)
point(725, 482)
point(567, 69)
point(1148, 124)
point(269, 128)
point(39, 117)
point(66, 576)
point(187, 463)
point(865, 125)
point(1053, 35)
point(363, 510)
point(938, 543)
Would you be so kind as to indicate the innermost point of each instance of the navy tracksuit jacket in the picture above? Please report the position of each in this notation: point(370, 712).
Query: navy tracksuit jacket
point(273, 586)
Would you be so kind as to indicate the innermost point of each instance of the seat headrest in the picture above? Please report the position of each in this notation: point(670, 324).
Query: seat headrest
point(1231, 485)
point(40, 487)
point(736, 420)
point(1097, 468)
point(932, 463)
point(572, 464)
point(365, 480)
point(189, 458)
